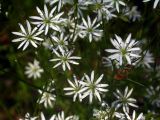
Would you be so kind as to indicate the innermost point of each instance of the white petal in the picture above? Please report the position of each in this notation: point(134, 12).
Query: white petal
point(29, 27)
point(111, 50)
point(22, 28)
point(46, 29)
point(89, 22)
point(34, 44)
point(155, 3)
point(42, 116)
point(99, 79)
point(26, 45)
point(52, 11)
point(18, 39)
point(58, 64)
point(46, 11)
point(36, 17)
point(18, 33)
point(37, 38)
point(84, 22)
point(128, 39)
point(73, 62)
point(92, 76)
point(40, 12)
point(98, 95)
point(128, 59)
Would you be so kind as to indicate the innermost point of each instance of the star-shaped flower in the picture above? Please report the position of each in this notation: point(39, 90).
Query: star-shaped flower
point(124, 100)
point(139, 117)
point(125, 52)
point(116, 4)
point(64, 58)
point(74, 89)
point(92, 87)
point(90, 29)
point(28, 36)
point(47, 19)
point(47, 97)
point(61, 41)
point(34, 70)
point(28, 117)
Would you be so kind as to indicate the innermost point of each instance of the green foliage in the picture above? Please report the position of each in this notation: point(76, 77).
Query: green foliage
point(19, 94)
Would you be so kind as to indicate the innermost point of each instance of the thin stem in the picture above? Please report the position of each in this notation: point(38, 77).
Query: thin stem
point(135, 82)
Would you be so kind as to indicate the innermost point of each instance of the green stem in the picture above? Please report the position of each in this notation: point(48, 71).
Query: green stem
point(135, 82)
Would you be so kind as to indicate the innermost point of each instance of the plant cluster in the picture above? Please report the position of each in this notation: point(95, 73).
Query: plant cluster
point(76, 46)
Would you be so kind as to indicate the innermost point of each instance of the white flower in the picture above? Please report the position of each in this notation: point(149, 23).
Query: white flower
point(139, 117)
point(108, 13)
point(61, 116)
point(92, 87)
point(73, 28)
point(79, 7)
point(75, 33)
point(53, 117)
point(70, 22)
point(99, 114)
point(60, 3)
point(103, 9)
point(28, 117)
point(146, 60)
point(28, 36)
point(47, 97)
point(90, 30)
point(48, 43)
point(64, 58)
point(108, 113)
point(74, 89)
point(132, 13)
point(124, 100)
point(116, 3)
point(33, 70)
point(124, 51)
point(153, 95)
point(74, 117)
point(155, 3)
point(61, 42)
point(47, 20)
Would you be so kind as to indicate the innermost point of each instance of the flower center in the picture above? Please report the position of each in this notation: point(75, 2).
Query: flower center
point(47, 95)
point(64, 58)
point(29, 37)
point(90, 30)
point(46, 21)
point(61, 42)
point(35, 69)
point(123, 51)
point(92, 87)
point(124, 100)
point(98, 6)
point(77, 89)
